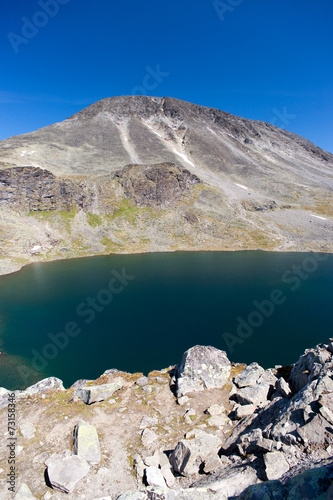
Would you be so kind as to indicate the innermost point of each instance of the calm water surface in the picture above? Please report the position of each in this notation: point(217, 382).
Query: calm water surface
point(175, 301)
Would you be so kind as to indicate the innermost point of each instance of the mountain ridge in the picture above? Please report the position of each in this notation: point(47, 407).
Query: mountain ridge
point(260, 187)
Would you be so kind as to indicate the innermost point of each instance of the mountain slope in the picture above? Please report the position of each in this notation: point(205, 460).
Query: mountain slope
point(257, 186)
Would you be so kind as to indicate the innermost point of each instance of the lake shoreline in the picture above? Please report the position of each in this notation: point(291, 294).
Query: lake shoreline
point(5, 267)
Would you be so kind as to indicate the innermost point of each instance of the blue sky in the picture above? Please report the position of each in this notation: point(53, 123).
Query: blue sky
point(264, 60)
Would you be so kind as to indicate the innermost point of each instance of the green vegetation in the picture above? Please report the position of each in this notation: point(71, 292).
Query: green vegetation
point(94, 220)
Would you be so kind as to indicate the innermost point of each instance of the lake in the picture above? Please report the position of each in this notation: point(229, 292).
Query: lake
point(76, 318)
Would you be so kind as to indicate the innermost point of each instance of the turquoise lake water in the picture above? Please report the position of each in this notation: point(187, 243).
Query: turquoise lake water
point(76, 318)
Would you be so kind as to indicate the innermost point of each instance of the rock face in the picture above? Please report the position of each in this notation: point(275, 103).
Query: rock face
point(159, 185)
point(33, 189)
point(201, 367)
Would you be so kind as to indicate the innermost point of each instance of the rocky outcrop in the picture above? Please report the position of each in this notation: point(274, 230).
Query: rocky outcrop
point(159, 185)
point(28, 189)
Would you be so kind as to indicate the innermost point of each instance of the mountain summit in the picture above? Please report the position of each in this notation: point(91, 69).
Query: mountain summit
point(138, 173)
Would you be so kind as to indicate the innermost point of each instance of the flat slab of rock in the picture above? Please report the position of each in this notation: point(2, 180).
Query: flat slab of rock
point(275, 465)
point(86, 443)
point(202, 367)
point(64, 474)
point(96, 393)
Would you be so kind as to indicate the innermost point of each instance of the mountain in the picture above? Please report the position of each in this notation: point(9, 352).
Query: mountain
point(136, 173)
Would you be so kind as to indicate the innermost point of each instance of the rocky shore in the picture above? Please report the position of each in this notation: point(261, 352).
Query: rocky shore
point(203, 429)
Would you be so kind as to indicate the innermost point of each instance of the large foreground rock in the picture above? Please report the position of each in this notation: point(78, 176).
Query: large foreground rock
point(86, 443)
point(97, 393)
point(65, 473)
point(202, 367)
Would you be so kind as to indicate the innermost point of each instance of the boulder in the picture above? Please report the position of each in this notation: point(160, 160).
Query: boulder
point(64, 474)
point(308, 367)
point(95, 393)
point(244, 411)
point(86, 443)
point(202, 367)
point(154, 477)
point(24, 493)
point(255, 395)
point(249, 376)
point(215, 409)
point(45, 385)
point(275, 465)
point(189, 454)
point(283, 388)
point(316, 431)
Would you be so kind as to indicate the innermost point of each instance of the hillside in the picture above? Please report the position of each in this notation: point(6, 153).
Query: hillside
point(146, 174)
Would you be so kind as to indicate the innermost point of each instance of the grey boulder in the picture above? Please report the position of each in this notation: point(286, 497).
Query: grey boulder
point(202, 367)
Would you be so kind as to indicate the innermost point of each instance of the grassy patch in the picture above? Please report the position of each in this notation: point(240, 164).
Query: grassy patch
point(94, 220)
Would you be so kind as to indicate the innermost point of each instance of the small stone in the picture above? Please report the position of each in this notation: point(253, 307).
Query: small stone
point(148, 437)
point(215, 410)
point(18, 450)
point(275, 465)
point(148, 422)
point(28, 430)
point(190, 412)
point(24, 493)
point(244, 411)
point(155, 477)
point(86, 443)
point(217, 420)
point(168, 476)
point(212, 463)
point(183, 400)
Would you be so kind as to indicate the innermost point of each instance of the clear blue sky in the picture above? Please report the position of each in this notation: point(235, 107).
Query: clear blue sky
point(261, 59)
